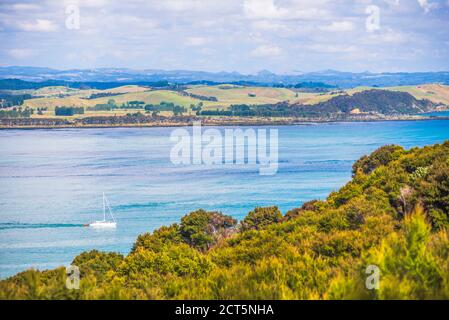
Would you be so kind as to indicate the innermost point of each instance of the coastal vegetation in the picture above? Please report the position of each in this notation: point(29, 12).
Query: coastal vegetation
point(16, 113)
point(393, 215)
point(68, 111)
point(10, 100)
point(165, 106)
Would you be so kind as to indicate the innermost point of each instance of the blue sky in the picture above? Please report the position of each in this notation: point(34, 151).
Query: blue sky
point(283, 36)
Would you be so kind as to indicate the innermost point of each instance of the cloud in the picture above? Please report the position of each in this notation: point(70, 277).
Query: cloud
point(20, 53)
point(88, 3)
point(195, 41)
point(25, 6)
point(387, 35)
point(128, 20)
point(265, 51)
point(393, 2)
point(263, 9)
point(39, 25)
point(426, 5)
point(180, 5)
point(268, 25)
point(332, 48)
point(267, 9)
point(338, 26)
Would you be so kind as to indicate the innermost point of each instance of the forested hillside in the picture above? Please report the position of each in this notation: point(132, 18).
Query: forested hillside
point(374, 101)
point(393, 214)
point(380, 101)
point(367, 102)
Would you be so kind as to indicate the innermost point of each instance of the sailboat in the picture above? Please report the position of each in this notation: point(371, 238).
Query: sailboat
point(103, 223)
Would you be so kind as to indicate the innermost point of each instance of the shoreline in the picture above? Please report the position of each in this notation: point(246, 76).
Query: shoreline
point(207, 122)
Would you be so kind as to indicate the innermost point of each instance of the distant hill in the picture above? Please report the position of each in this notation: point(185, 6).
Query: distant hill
point(368, 102)
point(17, 84)
point(378, 101)
point(123, 75)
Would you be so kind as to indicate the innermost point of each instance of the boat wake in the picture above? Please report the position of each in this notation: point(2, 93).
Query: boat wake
point(16, 225)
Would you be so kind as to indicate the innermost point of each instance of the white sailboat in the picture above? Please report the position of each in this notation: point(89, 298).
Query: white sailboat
point(103, 223)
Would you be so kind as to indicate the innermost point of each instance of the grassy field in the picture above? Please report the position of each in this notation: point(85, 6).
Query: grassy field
point(225, 97)
point(225, 94)
point(153, 97)
point(433, 92)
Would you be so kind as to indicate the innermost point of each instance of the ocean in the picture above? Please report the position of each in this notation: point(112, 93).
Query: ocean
point(51, 182)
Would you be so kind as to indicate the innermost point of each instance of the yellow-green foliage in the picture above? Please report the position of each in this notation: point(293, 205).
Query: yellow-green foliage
point(392, 215)
point(413, 264)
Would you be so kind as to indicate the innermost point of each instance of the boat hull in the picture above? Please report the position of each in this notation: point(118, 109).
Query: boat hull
point(103, 225)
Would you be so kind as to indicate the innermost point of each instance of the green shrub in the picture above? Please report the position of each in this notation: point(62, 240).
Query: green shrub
point(260, 218)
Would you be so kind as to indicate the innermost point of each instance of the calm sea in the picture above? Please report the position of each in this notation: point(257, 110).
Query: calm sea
point(51, 182)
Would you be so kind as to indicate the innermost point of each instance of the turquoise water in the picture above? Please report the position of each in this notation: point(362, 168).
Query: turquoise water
point(51, 182)
point(437, 114)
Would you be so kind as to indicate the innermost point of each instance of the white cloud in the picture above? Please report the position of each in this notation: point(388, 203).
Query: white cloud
point(338, 26)
point(392, 2)
point(267, 9)
point(313, 13)
point(20, 53)
point(39, 25)
point(265, 51)
point(180, 5)
point(387, 35)
point(332, 48)
point(88, 3)
point(25, 6)
point(263, 9)
point(135, 22)
point(195, 41)
point(268, 25)
point(426, 5)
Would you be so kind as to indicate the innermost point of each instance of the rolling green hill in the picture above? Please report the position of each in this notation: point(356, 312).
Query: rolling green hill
point(230, 94)
point(290, 101)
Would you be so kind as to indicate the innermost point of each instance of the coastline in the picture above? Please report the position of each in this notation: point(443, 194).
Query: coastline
point(27, 123)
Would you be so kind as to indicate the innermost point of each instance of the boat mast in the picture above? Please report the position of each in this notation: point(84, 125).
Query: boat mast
point(109, 208)
point(104, 209)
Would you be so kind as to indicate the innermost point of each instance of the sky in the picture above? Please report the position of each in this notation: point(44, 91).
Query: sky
point(283, 36)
